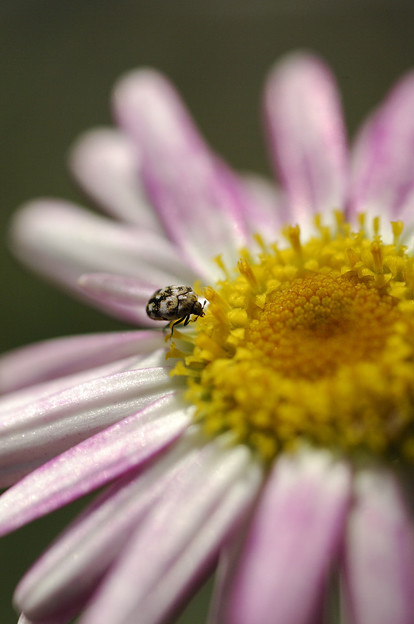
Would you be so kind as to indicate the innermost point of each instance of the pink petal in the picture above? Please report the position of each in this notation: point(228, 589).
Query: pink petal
point(107, 287)
point(63, 356)
point(93, 462)
point(63, 242)
point(192, 565)
point(267, 215)
point(379, 553)
point(72, 567)
point(281, 572)
point(200, 205)
point(21, 398)
point(110, 289)
point(179, 540)
point(54, 423)
point(307, 135)
point(107, 167)
point(383, 156)
point(58, 619)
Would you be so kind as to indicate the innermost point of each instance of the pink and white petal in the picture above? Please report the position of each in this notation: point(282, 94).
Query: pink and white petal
point(200, 205)
point(156, 359)
point(107, 287)
point(61, 241)
point(125, 295)
point(93, 462)
point(18, 399)
point(107, 167)
point(268, 214)
point(383, 156)
point(13, 471)
point(136, 315)
point(406, 215)
point(72, 567)
point(306, 134)
point(280, 574)
point(379, 553)
point(82, 242)
point(60, 357)
point(58, 619)
point(177, 540)
point(54, 423)
point(196, 560)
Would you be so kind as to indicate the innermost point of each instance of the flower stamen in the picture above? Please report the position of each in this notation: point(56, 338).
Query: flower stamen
point(311, 343)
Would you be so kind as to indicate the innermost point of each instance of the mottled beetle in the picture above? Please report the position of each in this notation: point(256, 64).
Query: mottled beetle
point(174, 303)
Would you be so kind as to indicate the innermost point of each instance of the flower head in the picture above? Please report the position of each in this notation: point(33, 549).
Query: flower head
point(273, 435)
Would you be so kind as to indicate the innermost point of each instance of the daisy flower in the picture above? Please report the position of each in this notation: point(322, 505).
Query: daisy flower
point(273, 438)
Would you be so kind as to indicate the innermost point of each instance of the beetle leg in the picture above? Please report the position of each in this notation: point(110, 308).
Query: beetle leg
point(177, 322)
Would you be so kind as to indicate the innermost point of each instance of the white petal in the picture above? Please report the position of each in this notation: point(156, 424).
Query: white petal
point(307, 135)
point(60, 357)
point(199, 202)
point(382, 159)
point(63, 242)
point(268, 215)
point(20, 398)
point(280, 573)
point(379, 552)
point(107, 167)
point(196, 559)
point(72, 567)
point(164, 541)
point(54, 423)
point(93, 462)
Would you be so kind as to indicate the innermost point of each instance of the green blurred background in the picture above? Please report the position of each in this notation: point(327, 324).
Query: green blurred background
point(58, 62)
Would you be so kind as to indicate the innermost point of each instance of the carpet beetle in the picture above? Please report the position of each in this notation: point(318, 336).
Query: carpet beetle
point(175, 304)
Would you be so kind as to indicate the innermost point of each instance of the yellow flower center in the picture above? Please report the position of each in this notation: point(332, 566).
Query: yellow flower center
point(310, 326)
point(310, 342)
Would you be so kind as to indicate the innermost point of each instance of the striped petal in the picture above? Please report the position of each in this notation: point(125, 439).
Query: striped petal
point(63, 242)
point(178, 541)
point(306, 135)
point(379, 553)
point(73, 566)
point(383, 157)
point(107, 167)
point(14, 402)
point(64, 356)
point(36, 432)
point(199, 203)
point(93, 462)
point(18, 399)
point(281, 572)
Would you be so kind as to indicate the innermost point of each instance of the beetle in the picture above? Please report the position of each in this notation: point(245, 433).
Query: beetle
point(174, 304)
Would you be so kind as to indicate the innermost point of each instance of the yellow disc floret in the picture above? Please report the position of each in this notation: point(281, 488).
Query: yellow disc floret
point(311, 342)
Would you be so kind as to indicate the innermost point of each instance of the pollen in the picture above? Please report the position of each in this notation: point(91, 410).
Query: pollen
point(311, 342)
